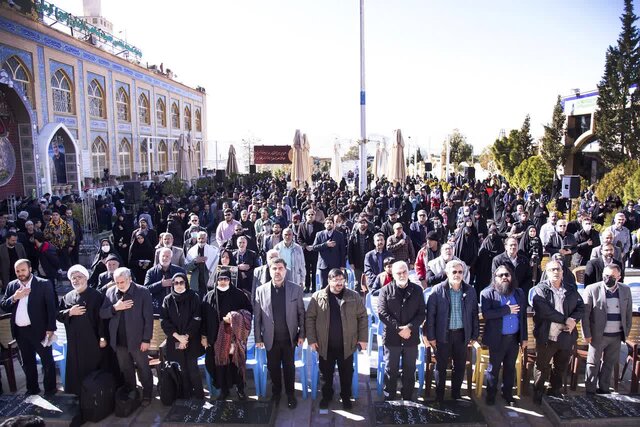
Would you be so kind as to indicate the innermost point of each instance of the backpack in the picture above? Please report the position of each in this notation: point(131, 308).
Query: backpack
point(97, 397)
point(170, 383)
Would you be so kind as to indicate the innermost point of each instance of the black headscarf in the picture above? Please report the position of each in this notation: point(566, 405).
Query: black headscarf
point(181, 297)
point(467, 244)
point(530, 246)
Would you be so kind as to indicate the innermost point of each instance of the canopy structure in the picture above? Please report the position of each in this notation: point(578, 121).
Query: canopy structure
point(397, 171)
point(184, 159)
point(232, 162)
point(308, 163)
point(298, 164)
point(336, 164)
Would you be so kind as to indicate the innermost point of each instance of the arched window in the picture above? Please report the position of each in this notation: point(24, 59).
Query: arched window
point(175, 155)
point(161, 113)
point(122, 105)
point(20, 75)
point(175, 116)
point(198, 120)
point(146, 161)
point(196, 158)
point(99, 157)
point(62, 92)
point(96, 100)
point(143, 110)
point(187, 118)
point(125, 156)
point(163, 159)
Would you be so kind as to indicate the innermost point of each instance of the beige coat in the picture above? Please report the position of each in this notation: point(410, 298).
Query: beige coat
point(354, 321)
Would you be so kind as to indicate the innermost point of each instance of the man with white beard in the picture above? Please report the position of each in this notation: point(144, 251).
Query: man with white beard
point(436, 268)
point(200, 261)
point(504, 308)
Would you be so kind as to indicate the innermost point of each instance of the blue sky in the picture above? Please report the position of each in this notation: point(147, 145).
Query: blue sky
point(270, 67)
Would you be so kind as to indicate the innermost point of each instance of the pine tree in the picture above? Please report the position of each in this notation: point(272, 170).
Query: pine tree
point(553, 150)
point(618, 116)
point(461, 151)
point(510, 151)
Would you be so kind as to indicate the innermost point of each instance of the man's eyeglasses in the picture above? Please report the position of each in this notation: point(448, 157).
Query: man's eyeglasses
point(457, 271)
point(554, 269)
point(503, 275)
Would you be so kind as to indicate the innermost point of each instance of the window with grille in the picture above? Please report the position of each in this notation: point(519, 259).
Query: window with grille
point(125, 156)
point(99, 157)
point(187, 118)
point(62, 92)
point(96, 100)
point(175, 116)
point(163, 159)
point(20, 76)
point(143, 110)
point(122, 105)
point(198, 120)
point(175, 155)
point(161, 113)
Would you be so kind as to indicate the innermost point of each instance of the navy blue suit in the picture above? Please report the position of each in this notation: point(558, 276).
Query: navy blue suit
point(371, 267)
point(153, 282)
point(42, 310)
point(503, 349)
point(329, 258)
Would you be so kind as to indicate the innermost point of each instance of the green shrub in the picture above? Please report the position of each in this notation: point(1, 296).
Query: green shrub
point(615, 181)
point(533, 171)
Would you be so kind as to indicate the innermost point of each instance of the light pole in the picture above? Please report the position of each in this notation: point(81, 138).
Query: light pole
point(363, 125)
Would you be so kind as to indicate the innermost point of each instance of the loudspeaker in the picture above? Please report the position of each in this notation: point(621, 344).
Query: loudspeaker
point(219, 174)
point(428, 167)
point(252, 169)
point(132, 192)
point(571, 186)
point(470, 173)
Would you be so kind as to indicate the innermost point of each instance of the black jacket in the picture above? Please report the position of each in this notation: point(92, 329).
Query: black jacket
point(182, 314)
point(522, 269)
point(354, 254)
point(594, 268)
point(438, 307)
point(545, 312)
point(41, 306)
point(395, 311)
point(153, 282)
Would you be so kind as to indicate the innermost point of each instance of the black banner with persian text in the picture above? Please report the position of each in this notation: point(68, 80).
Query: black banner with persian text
point(272, 154)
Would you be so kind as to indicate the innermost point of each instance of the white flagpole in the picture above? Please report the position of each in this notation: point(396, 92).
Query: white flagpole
point(363, 126)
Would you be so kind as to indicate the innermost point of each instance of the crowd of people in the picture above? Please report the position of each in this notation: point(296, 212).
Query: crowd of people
point(215, 262)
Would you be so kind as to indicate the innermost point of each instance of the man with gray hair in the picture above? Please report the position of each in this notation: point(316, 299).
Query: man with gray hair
point(452, 324)
point(401, 310)
point(130, 312)
point(621, 236)
point(436, 268)
point(158, 278)
point(608, 312)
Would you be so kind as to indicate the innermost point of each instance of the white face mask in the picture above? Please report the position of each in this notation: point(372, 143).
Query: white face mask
point(194, 235)
point(222, 288)
point(106, 248)
point(182, 290)
point(587, 228)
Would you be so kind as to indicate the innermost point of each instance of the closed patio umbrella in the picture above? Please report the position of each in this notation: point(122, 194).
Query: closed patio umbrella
point(336, 164)
point(298, 162)
point(397, 170)
point(308, 163)
point(184, 160)
point(232, 163)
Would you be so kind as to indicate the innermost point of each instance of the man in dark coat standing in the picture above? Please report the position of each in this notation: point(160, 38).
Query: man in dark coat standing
point(306, 236)
point(159, 278)
point(32, 305)
point(504, 308)
point(452, 324)
point(517, 262)
point(401, 310)
point(129, 308)
point(331, 247)
point(595, 267)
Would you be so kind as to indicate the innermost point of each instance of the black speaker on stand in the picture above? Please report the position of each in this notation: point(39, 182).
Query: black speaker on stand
point(252, 169)
point(219, 175)
point(132, 192)
point(470, 173)
point(571, 186)
point(428, 166)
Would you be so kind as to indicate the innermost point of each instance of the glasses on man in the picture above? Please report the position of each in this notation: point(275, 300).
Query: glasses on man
point(457, 271)
point(554, 269)
point(503, 275)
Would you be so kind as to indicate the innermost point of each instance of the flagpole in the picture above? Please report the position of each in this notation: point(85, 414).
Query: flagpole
point(363, 126)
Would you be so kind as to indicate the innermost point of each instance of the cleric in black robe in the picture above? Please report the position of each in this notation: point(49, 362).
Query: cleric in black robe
point(86, 332)
point(491, 246)
point(217, 305)
point(467, 247)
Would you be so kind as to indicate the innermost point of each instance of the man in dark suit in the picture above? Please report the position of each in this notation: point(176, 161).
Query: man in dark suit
point(517, 262)
point(278, 323)
point(504, 308)
point(32, 305)
point(247, 261)
point(105, 279)
point(74, 256)
point(595, 267)
point(374, 260)
point(360, 243)
point(10, 252)
point(159, 278)
point(331, 248)
point(129, 308)
point(306, 236)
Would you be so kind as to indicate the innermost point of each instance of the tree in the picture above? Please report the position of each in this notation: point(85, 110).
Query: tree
point(510, 151)
point(611, 182)
point(460, 150)
point(486, 160)
point(353, 153)
point(632, 187)
point(535, 172)
point(553, 150)
point(618, 115)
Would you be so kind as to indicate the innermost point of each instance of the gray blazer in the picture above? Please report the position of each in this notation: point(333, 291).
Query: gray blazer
point(263, 313)
point(595, 310)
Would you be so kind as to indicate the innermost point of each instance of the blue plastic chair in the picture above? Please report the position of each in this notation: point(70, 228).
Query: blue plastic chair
point(318, 281)
point(351, 279)
point(300, 362)
point(256, 361)
point(315, 374)
point(375, 326)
